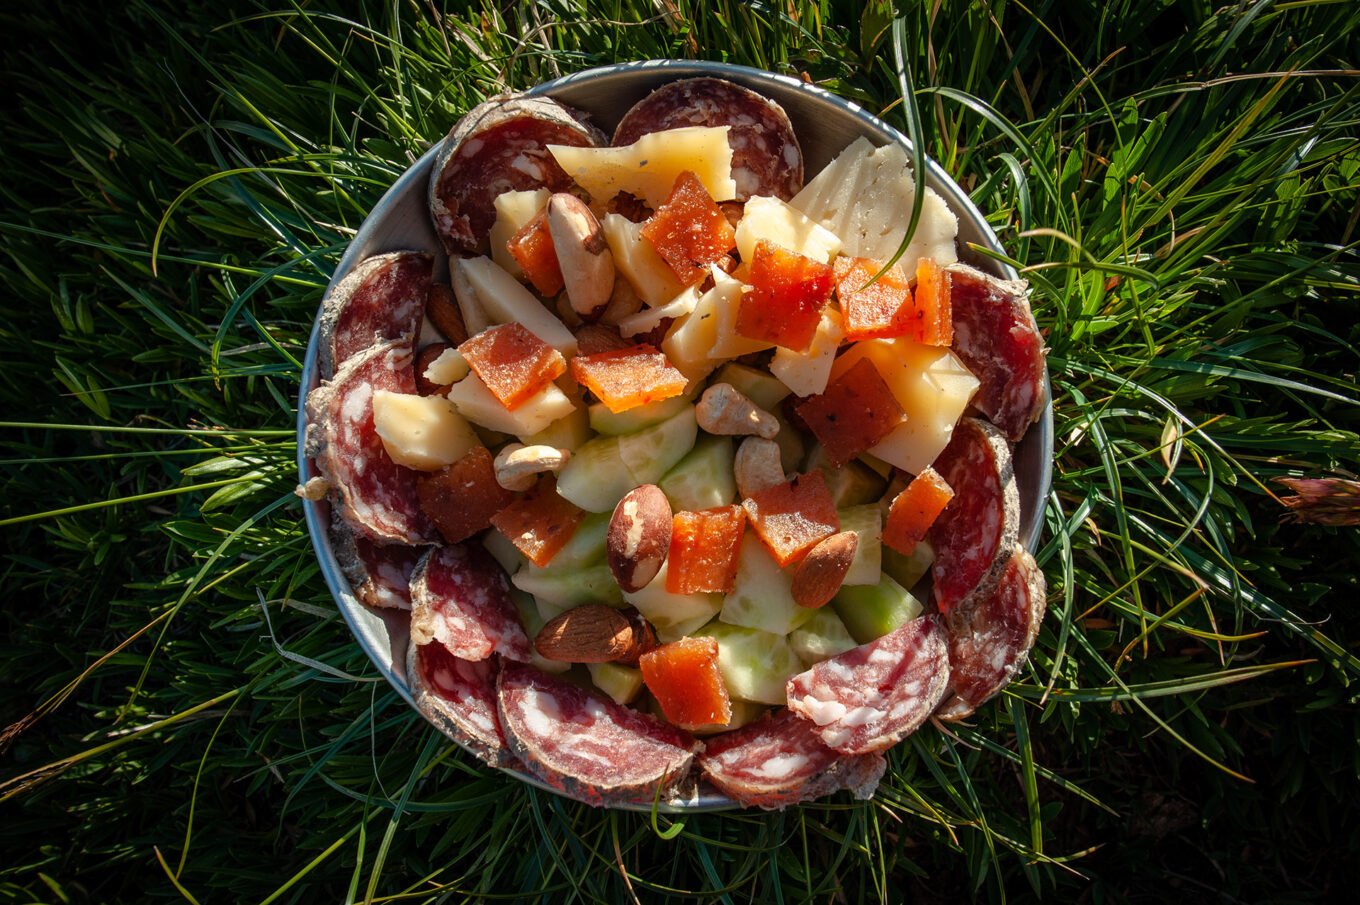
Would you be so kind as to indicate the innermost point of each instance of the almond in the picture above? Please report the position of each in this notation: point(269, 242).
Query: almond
point(594, 634)
point(441, 309)
point(819, 576)
point(639, 537)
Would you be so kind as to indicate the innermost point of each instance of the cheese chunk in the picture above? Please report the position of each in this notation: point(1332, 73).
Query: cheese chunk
point(807, 373)
point(650, 318)
point(635, 258)
point(513, 210)
point(475, 403)
point(865, 197)
point(421, 432)
point(690, 342)
point(774, 221)
point(728, 342)
point(502, 299)
point(449, 368)
point(932, 386)
point(647, 169)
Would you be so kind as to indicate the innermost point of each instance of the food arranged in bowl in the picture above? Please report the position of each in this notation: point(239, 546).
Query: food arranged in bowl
point(680, 477)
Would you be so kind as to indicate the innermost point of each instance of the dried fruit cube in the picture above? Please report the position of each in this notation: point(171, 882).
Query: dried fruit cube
point(689, 231)
point(533, 250)
point(684, 678)
point(788, 293)
point(915, 509)
point(704, 548)
point(791, 518)
point(628, 378)
point(877, 311)
point(857, 410)
point(513, 363)
point(462, 498)
point(540, 522)
point(930, 321)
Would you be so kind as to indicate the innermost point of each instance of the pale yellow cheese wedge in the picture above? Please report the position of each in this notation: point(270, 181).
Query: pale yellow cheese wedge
point(475, 403)
point(647, 169)
point(807, 373)
point(774, 221)
point(637, 261)
point(421, 432)
point(513, 210)
point(502, 299)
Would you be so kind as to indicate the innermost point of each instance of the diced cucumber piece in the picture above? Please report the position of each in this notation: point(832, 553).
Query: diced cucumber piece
point(703, 479)
point(821, 637)
point(743, 712)
point(653, 451)
point(568, 588)
point(586, 547)
point(622, 683)
point(853, 484)
point(884, 469)
point(908, 570)
point(595, 477)
point(867, 522)
point(504, 552)
point(755, 665)
point(603, 421)
point(673, 615)
point(570, 432)
point(763, 389)
point(762, 597)
point(533, 622)
point(872, 611)
point(791, 445)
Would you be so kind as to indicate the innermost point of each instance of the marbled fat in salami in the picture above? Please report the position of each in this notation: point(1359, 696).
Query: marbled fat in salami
point(376, 496)
point(997, 338)
point(381, 299)
point(870, 698)
point(459, 697)
point(500, 146)
point(585, 745)
point(780, 760)
point(766, 157)
point(460, 598)
point(380, 574)
point(990, 640)
point(974, 537)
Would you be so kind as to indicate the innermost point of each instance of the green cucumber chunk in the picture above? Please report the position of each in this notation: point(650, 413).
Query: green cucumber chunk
point(613, 424)
point(567, 588)
point(653, 451)
point(504, 552)
point(872, 611)
point(755, 665)
point(762, 597)
point(622, 683)
point(673, 615)
point(821, 637)
point(867, 523)
point(586, 547)
point(743, 712)
point(570, 432)
point(908, 570)
point(765, 390)
point(703, 479)
point(595, 477)
point(853, 484)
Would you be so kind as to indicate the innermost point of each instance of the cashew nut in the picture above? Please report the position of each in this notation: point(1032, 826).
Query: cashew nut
point(582, 252)
point(757, 465)
point(724, 409)
point(518, 466)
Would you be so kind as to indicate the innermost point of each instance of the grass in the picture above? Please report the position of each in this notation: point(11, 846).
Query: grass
point(189, 718)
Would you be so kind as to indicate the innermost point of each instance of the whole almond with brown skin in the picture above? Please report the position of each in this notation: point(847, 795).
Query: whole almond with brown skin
point(819, 576)
point(441, 309)
point(590, 634)
point(639, 537)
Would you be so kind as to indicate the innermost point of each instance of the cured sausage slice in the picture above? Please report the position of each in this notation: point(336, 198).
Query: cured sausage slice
point(997, 338)
point(460, 597)
point(989, 641)
point(383, 298)
point(780, 760)
point(459, 697)
point(766, 157)
point(586, 746)
point(977, 532)
point(379, 574)
point(870, 698)
point(377, 497)
point(500, 146)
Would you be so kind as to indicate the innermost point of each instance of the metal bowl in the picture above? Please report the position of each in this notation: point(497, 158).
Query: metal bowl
point(824, 123)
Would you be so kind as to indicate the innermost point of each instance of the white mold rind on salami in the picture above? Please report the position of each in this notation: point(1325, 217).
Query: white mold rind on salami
point(381, 299)
point(870, 698)
point(975, 535)
point(376, 496)
point(459, 697)
point(586, 746)
point(996, 336)
point(780, 761)
point(499, 146)
point(380, 575)
point(461, 599)
point(766, 157)
point(990, 640)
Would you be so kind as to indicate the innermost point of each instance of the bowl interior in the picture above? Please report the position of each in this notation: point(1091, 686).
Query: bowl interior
point(824, 123)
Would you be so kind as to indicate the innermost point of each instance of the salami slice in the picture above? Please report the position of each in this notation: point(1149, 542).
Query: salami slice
point(974, 537)
point(989, 642)
point(379, 574)
point(997, 338)
point(459, 697)
point(585, 745)
point(500, 146)
point(377, 497)
point(460, 597)
point(381, 299)
point(870, 698)
point(780, 760)
point(766, 157)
